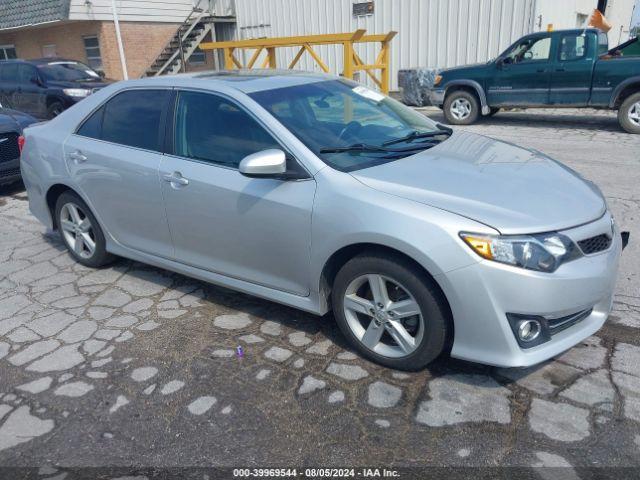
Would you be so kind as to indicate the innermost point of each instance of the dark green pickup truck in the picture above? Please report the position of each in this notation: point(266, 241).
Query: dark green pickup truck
point(565, 68)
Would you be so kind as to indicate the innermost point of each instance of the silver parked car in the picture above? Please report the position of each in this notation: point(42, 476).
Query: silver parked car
point(319, 193)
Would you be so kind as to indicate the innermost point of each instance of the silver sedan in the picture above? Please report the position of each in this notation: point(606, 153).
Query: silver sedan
point(319, 193)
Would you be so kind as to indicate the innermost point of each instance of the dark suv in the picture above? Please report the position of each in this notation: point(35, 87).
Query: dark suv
point(45, 87)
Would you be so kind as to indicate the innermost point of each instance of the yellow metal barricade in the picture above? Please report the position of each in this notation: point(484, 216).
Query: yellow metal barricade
point(352, 61)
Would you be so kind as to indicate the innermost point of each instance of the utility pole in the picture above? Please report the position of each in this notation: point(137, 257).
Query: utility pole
point(123, 61)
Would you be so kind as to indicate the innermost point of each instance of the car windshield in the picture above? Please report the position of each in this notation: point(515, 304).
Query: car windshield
point(68, 71)
point(349, 126)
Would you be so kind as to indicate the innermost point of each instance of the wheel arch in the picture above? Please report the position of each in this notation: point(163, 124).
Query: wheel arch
point(470, 86)
point(624, 90)
point(54, 192)
point(347, 252)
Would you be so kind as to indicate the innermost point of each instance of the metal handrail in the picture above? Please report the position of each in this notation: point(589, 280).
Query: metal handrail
point(194, 22)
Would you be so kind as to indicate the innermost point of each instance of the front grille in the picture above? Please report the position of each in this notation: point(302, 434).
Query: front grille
point(9, 173)
point(9, 147)
point(596, 244)
point(559, 324)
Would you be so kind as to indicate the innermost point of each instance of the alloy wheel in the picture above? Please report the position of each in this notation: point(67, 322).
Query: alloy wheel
point(634, 114)
point(460, 108)
point(77, 230)
point(383, 315)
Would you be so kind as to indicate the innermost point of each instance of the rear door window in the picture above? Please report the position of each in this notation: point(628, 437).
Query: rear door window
point(572, 47)
point(133, 118)
point(92, 126)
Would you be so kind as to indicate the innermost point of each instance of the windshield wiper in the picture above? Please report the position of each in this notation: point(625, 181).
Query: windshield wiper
point(363, 147)
point(442, 130)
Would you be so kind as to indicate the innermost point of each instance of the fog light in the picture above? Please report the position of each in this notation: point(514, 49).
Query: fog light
point(529, 330)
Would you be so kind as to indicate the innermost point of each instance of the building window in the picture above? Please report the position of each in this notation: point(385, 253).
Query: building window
point(198, 56)
point(7, 52)
point(48, 51)
point(92, 50)
point(581, 20)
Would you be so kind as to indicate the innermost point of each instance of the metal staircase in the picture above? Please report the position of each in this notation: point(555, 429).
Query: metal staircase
point(175, 54)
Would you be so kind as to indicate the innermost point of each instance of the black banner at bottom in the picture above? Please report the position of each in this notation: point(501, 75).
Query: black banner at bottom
point(403, 473)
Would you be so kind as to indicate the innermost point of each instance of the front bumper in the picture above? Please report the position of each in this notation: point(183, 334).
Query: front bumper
point(482, 294)
point(9, 171)
point(436, 97)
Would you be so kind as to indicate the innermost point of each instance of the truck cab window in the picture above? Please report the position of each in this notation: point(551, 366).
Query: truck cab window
point(530, 50)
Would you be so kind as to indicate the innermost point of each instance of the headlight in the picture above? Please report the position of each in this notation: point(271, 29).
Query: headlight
point(437, 80)
point(77, 92)
point(544, 252)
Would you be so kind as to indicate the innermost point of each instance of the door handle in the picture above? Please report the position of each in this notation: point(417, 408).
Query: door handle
point(541, 70)
point(78, 156)
point(176, 178)
point(560, 70)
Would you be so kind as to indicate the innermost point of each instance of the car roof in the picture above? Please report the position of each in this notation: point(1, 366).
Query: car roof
point(571, 30)
point(246, 81)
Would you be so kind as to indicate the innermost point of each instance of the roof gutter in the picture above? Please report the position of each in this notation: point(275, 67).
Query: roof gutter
point(30, 25)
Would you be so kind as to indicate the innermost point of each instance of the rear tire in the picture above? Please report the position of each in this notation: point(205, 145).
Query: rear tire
point(461, 108)
point(80, 231)
point(629, 114)
point(409, 290)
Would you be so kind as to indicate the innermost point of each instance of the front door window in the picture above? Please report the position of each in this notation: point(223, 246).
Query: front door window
point(212, 129)
point(530, 50)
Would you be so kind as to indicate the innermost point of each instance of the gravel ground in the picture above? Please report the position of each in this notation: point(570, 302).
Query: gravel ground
point(133, 365)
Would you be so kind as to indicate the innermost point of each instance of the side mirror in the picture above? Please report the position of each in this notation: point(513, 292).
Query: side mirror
point(35, 81)
point(101, 73)
point(500, 63)
point(266, 163)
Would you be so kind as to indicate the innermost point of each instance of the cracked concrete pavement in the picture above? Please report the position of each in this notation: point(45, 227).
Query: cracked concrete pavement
point(133, 365)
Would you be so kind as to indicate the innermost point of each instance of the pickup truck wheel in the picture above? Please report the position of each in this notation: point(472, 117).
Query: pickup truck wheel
point(629, 114)
point(461, 108)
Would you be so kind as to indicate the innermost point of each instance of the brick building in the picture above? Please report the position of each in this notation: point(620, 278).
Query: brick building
point(84, 30)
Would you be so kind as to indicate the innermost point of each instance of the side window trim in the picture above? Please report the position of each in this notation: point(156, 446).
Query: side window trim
point(171, 122)
point(161, 126)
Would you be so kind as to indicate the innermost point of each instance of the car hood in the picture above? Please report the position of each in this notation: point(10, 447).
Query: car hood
point(511, 189)
point(11, 120)
point(462, 68)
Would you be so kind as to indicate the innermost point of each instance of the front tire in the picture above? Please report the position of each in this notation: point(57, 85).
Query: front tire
point(629, 114)
point(390, 311)
point(461, 108)
point(54, 109)
point(80, 231)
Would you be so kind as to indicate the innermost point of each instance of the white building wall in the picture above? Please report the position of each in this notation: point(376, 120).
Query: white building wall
point(431, 33)
point(619, 13)
point(562, 14)
point(172, 11)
